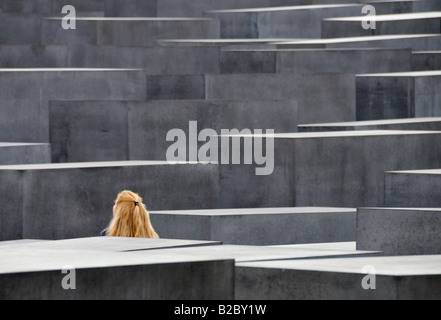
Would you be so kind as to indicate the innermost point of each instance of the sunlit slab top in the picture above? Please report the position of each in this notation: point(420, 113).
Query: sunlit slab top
point(64, 69)
point(85, 165)
point(355, 39)
point(373, 122)
point(286, 8)
point(392, 17)
point(412, 74)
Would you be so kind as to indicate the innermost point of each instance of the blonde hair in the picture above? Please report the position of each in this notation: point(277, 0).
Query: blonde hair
point(131, 218)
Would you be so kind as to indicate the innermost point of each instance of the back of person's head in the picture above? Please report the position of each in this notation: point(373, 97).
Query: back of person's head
point(130, 217)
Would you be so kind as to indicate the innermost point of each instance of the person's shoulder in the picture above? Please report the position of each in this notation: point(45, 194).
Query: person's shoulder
point(104, 233)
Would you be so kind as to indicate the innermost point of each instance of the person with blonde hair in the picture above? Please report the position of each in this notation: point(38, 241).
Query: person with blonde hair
point(130, 218)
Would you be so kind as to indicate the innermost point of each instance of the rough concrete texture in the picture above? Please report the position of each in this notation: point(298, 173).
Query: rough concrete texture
point(257, 226)
point(51, 201)
point(398, 95)
point(137, 130)
point(25, 93)
point(399, 231)
point(413, 188)
point(404, 23)
point(22, 153)
point(396, 278)
point(339, 169)
point(103, 275)
point(124, 31)
point(426, 123)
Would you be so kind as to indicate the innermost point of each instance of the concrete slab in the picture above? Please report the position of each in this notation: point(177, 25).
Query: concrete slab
point(154, 60)
point(412, 188)
point(425, 123)
point(24, 95)
point(196, 8)
point(259, 226)
point(106, 244)
point(50, 6)
point(404, 23)
point(20, 153)
point(103, 275)
point(398, 95)
point(426, 60)
point(411, 41)
point(337, 169)
point(396, 278)
point(399, 231)
point(332, 96)
point(127, 31)
point(136, 130)
point(345, 246)
point(242, 254)
point(345, 60)
point(74, 200)
point(279, 22)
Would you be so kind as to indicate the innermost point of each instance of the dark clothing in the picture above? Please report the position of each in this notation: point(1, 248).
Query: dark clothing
point(104, 232)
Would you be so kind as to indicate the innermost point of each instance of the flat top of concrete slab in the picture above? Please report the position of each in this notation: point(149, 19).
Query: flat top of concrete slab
point(20, 242)
point(423, 171)
point(410, 74)
point(20, 144)
point(392, 17)
point(256, 211)
point(134, 19)
point(355, 39)
point(65, 69)
point(427, 52)
point(335, 134)
point(402, 209)
point(287, 8)
point(344, 246)
point(307, 49)
point(228, 41)
point(19, 259)
point(389, 266)
point(373, 122)
point(114, 244)
point(241, 253)
point(85, 165)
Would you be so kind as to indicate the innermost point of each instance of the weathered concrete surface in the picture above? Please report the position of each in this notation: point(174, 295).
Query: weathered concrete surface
point(404, 23)
point(107, 244)
point(242, 253)
point(314, 60)
point(412, 41)
point(103, 275)
point(426, 60)
point(137, 130)
point(279, 22)
point(396, 278)
point(124, 31)
point(398, 95)
point(338, 169)
point(22, 153)
point(319, 97)
point(25, 93)
point(154, 60)
point(413, 188)
point(426, 123)
point(399, 231)
point(259, 226)
point(59, 201)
